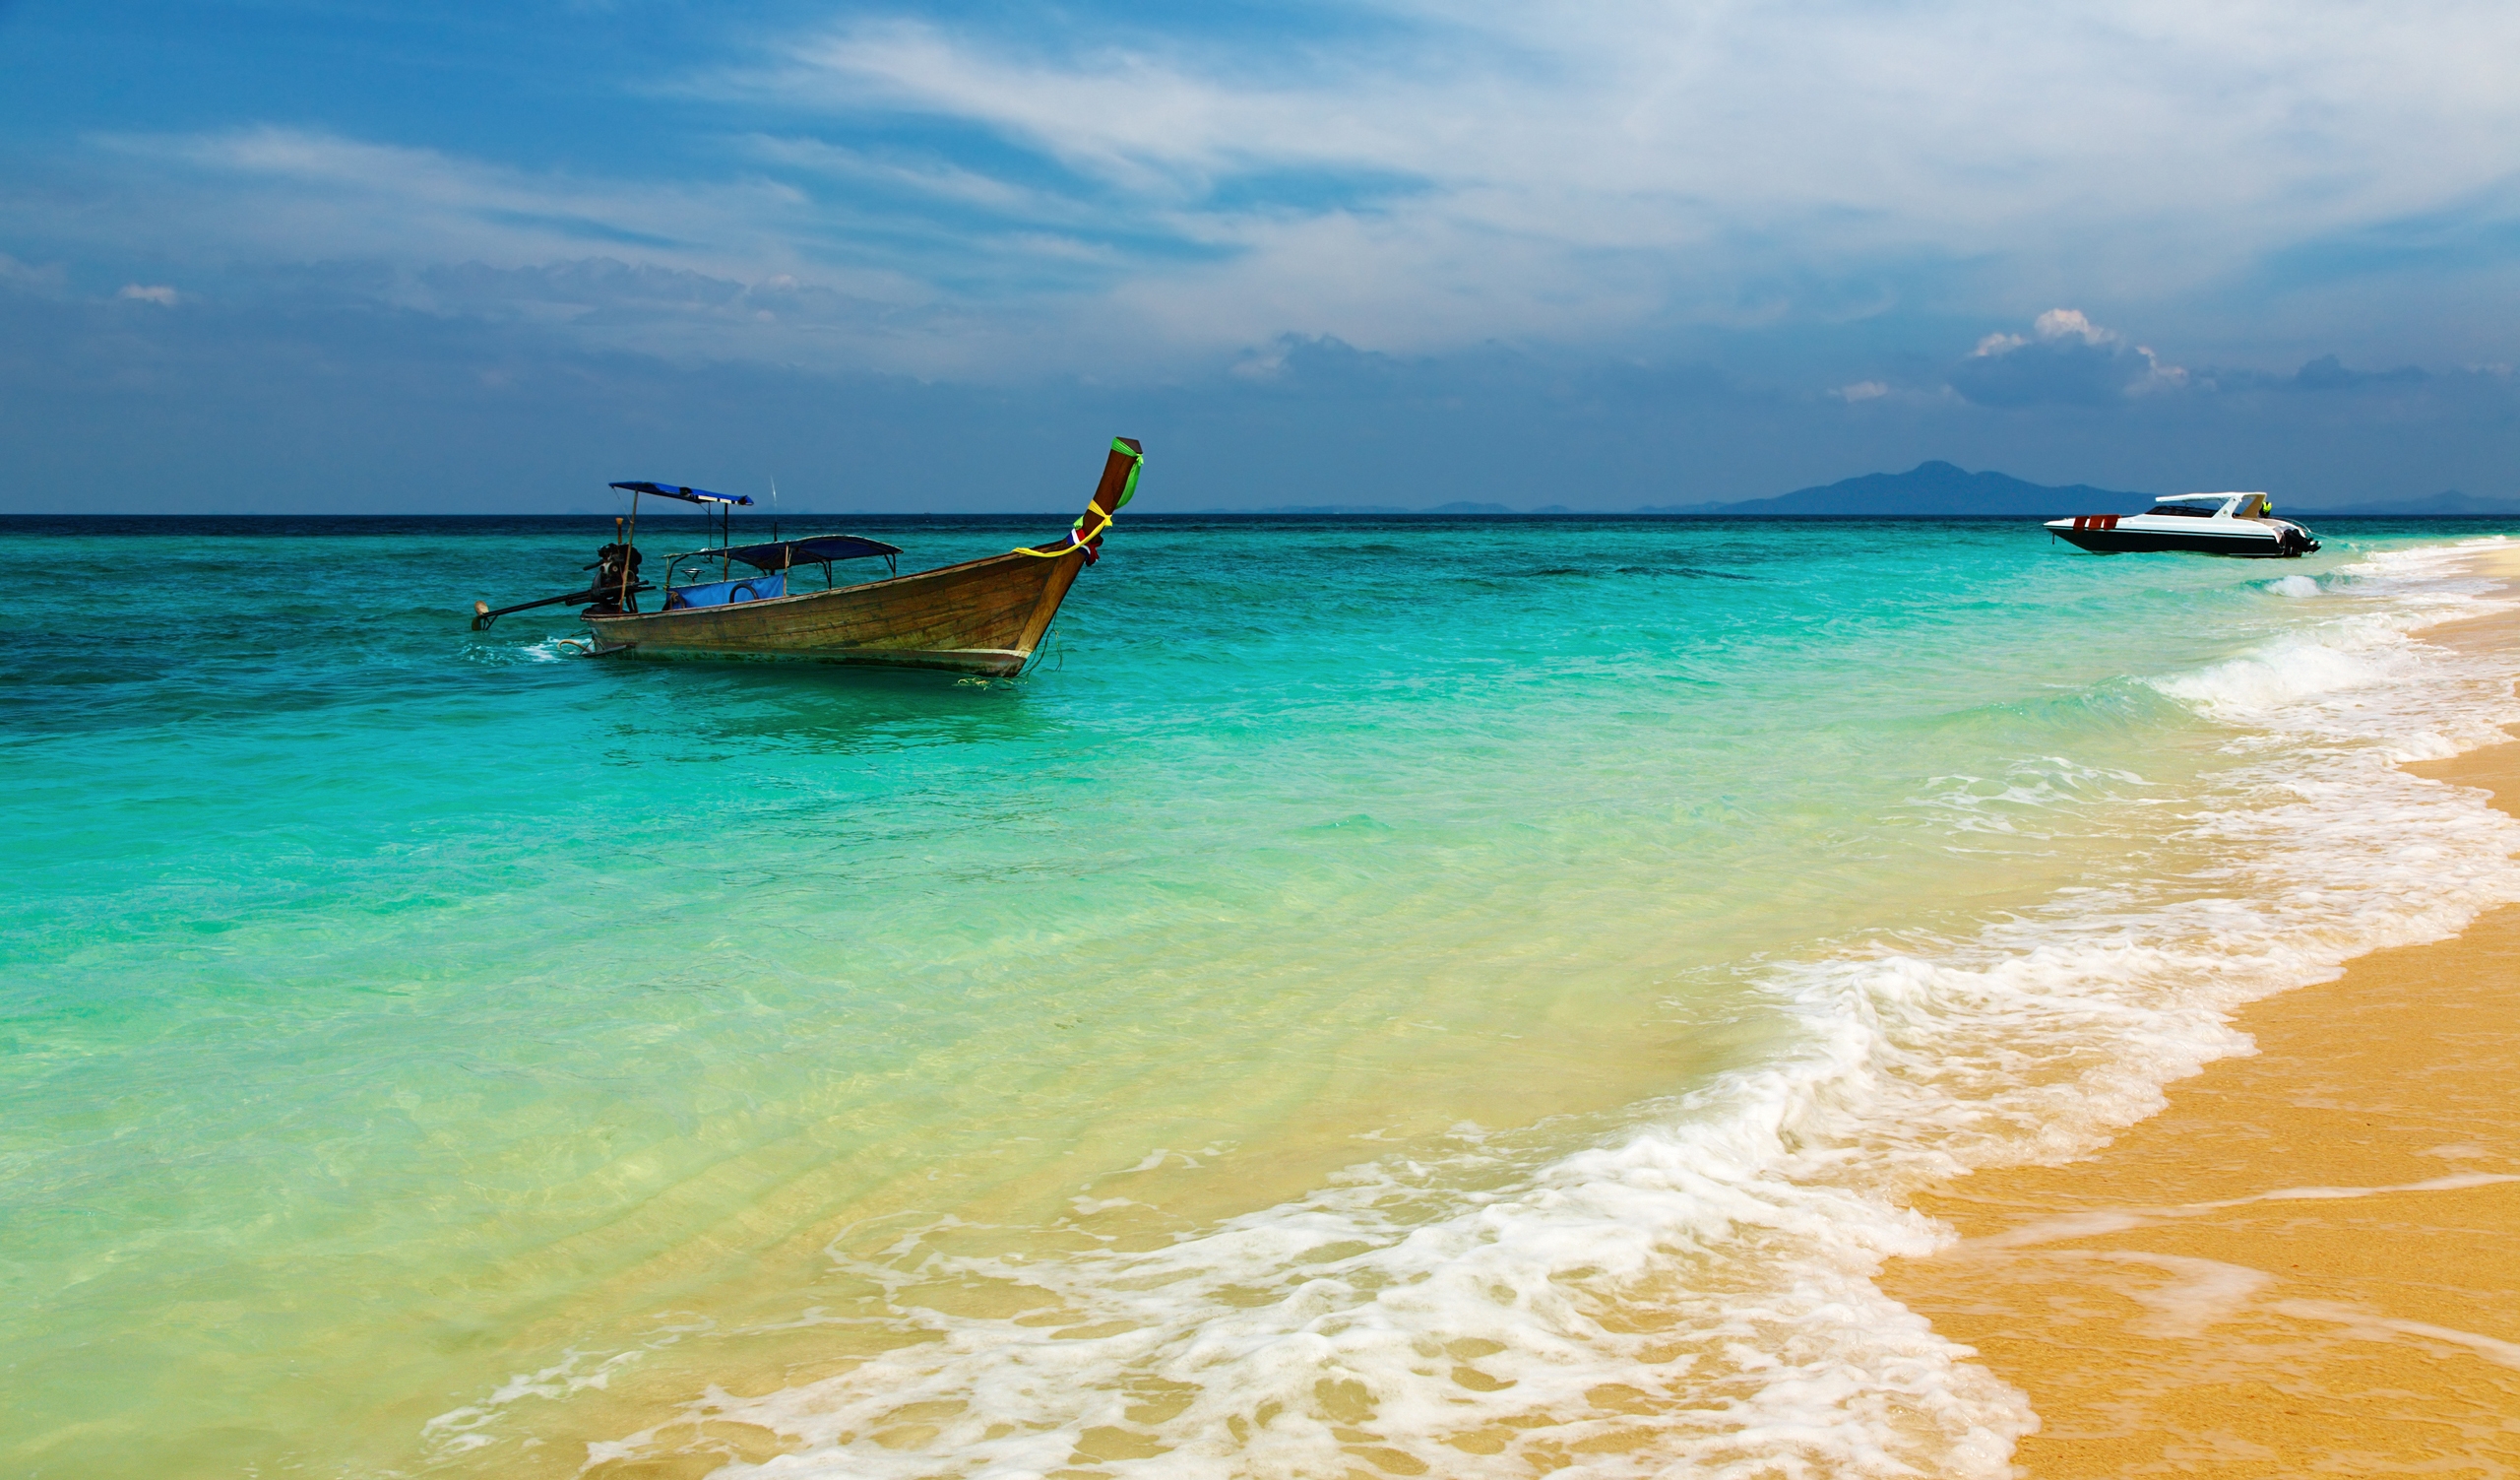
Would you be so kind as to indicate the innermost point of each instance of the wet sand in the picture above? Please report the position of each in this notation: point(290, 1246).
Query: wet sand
point(2309, 1263)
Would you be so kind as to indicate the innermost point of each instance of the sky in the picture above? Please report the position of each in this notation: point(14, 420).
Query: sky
point(306, 256)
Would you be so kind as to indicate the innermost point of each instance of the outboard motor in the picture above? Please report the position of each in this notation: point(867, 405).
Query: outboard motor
point(613, 592)
point(616, 568)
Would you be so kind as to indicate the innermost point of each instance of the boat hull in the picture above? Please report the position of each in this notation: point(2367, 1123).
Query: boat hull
point(982, 616)
point(2124, 536)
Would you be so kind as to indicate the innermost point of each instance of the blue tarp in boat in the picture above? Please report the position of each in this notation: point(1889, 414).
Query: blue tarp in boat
point(760, 588)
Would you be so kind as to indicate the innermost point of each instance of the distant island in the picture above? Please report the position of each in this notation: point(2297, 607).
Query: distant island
point(1940, 489)
point(1928, 488)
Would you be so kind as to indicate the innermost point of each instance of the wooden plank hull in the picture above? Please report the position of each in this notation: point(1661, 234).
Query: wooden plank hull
point(981, 617)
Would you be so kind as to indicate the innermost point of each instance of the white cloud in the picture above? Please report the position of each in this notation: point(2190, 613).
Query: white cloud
point(2067, 112)
point(2057, 326)
point(47, 281)
point(1559, 162)
point(685, 269)
point(305, 195)
point(1861, 389)
point(2157, 375)
point(936, 180)
point(1136, 118)
point(159, 295)
point(2069, 324)
point(1469, 170)
point(2065, 358)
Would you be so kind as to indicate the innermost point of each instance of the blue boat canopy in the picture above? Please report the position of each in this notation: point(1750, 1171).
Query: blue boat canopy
point(783, 553)
point(687, 495)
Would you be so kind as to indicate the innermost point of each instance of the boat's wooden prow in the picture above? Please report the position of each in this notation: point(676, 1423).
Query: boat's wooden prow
point(979, 616)
point(1120, 484)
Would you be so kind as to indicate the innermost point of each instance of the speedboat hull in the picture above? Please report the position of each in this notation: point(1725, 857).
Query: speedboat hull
point(2112, 534)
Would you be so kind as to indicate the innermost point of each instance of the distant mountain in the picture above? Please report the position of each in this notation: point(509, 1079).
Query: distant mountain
point(1940, 488)
point(2450, 504)
point(1934, 487)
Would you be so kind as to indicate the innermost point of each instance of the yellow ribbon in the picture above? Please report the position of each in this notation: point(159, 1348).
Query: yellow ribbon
point(1078, 538)
point(1078, 535)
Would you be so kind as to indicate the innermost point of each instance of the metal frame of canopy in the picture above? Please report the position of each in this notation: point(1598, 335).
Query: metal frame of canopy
point(777, 555)
point(700, 497)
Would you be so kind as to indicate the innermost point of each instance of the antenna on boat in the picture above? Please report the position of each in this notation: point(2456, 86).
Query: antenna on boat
point(774, 507)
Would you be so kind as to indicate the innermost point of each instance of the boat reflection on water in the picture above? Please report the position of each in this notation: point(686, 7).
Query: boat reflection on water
point(985, 616)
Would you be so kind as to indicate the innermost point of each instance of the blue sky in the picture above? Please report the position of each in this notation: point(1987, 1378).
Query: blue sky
point(297, 255)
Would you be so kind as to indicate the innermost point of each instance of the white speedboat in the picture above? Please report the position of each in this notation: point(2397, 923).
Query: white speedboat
point(2216, 523)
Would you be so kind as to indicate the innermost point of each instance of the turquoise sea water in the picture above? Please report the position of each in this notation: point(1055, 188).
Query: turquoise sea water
point(1439, 995)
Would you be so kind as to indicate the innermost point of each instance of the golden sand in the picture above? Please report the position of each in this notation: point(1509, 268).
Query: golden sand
point(2309, 1263)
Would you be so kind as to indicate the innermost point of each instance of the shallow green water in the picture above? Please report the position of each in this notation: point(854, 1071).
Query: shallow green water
point(389, 1011)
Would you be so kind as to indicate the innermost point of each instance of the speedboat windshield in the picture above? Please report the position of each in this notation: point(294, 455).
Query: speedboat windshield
point(2210, 505)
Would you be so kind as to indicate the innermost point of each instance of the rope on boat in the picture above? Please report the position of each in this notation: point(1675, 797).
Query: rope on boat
point(1078, 535)
point(1078, 538)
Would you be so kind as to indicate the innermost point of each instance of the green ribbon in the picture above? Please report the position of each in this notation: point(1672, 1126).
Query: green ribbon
point(1128, 491)
point(1137, 465)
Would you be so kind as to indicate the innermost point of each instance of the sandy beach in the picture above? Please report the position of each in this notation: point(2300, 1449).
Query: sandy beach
point(2309, 1262)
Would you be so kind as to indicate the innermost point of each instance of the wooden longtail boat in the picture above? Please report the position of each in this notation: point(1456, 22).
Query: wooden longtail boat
point(985, 616)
